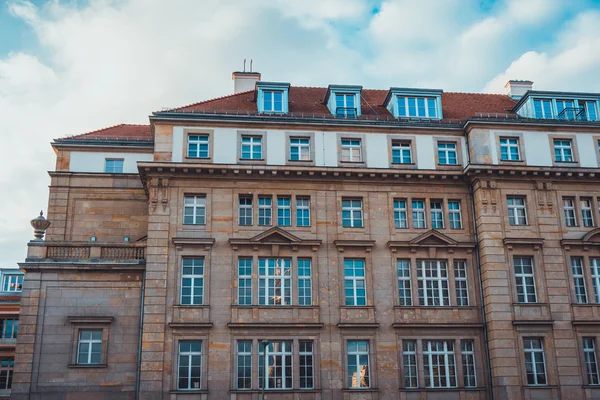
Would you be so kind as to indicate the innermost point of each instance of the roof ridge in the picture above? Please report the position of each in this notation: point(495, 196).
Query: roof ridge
point(209, 100)
point(482, 94)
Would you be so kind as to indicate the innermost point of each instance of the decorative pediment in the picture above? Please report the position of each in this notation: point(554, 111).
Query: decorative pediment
point(275, 237)
point(590, 239)
point(431, 239)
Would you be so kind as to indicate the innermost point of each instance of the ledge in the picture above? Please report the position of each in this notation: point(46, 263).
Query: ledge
point(179, 242)
point(190, 325)
point(452, 389)
point(358, 325)
point(533, 322)
point(87, 366)
point(190, 391)
point(435, 325)
point(360, 390)
point(267, 391)
point(583, 322)
point(363, 244)
point(90, 320)
point(535, 242)
point(263, 325)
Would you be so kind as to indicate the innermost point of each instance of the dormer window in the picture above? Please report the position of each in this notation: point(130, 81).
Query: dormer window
point(343, 101)
point(414, 103)
point(559, 105)
point(272, 97)
point(543, 108)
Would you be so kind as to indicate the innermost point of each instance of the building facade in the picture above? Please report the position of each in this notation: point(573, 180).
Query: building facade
point(11, 280)
point(323, 243)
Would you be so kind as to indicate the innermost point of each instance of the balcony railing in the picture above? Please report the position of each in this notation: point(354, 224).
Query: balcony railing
point(345, 112)
point(76, 251)
point(573, 114)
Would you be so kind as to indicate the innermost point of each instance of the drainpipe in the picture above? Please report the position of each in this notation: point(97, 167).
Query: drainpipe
point(139, 354)
point(479, 276)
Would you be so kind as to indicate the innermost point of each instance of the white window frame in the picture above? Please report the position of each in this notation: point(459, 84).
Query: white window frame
point(265, 210)
point(525, 281)
point(90, 342)
point(510, 144)
point(409, 363)
point(467, 351)
point(438, 283)
point(306, 353)
point(249, 144)
point(345, 104)
point(244, 281)
point(273, 101)
point(403, 150)
point(116, 167)
point(302, 211)
point(197, 207)
point(448, 363)
point(351, 150)
point(400, 214)
point(355, 356)
point(418, 214)
point(276, 274)
point(245, 204)
point(190, 355)
point(577, 269)
point(284, 356)
point(569, 211)
point(455, 214)
point(514, 209)
point(196, 279)
point(530, 358)
point(355, 282)
point(284, 211)
point(563, 150)
point(461, 283)
point(304, 271)
point(355, 209)
point(436, 210)
point(408, 103)
point(404, 282)
point(445, 150)
point(591, 361)
point(12, 283)
point(202, 146)
point(595, 272)
point(243, 354)
point(587, 213)
point(302, 144)
point(10, 330)
point(546, 113)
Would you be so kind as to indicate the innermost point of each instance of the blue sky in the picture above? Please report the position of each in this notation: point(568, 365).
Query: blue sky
point(69, 66)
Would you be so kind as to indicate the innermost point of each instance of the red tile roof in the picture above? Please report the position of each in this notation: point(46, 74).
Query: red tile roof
point(117, 132)
point(309, 101)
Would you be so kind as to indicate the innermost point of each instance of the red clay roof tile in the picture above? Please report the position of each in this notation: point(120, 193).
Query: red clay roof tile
point(122, 131)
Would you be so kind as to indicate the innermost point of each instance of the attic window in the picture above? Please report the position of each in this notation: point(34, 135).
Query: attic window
point(421, 107)
point(273, 100)
point(345, 104)
point(414, 103)
point(272, 97)
point(343, 101)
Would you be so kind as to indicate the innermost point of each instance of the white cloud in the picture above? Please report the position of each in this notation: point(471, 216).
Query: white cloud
point(110, 61)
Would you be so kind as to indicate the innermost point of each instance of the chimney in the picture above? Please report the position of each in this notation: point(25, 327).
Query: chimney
point(244, 81)
point(516, 89)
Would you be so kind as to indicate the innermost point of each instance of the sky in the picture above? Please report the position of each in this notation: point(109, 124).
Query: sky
point(72, 66)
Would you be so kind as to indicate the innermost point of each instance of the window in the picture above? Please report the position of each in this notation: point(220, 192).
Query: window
point(113, 165)
point(439, 363)
point(251, 148)
point(421, 107)
point(12, 283)
point(437, 214)
point(299, 149)
point(273, 101)
point(418, 214)
point(447, 153)
point(467, 350)
point(542, 108)
point(302, 211)
point(432, 279)
point(244, 364)
point(7, 366)
point(245, 211)
point(400, 218)
point(274, 281)
point(454, 214)
point(89, 348)
point(304, 282)
point(279, 365)
point(265, 210)
point(595, 266)
point(535, 363)
point(569, 210)
point(192, 281)
point(525, 280)
point(345, 106)
point(198, 146)
point(244, 281)
point(461, 283)
point(354, 282)
point(509, 149)
point(409, 361)
point(307, 375)
point(517, 212)
point(579, 280)
point(591, 360)
point(587, 215)
point(194, 210)
point(591, 114)
point(189, 365)
point(563, 151)
point(351, 150)
point(358, 364)
point(284, 211)
point(9, 328)
point(352, 215)
point(401, 152)
point(404, 285)
point(565, 109)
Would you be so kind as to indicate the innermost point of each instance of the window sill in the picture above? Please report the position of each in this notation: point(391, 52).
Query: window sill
point(355, 307)
point(443, 389)
point(274, 307)
point(275, 391)
point(566, 162)
point(360, 390)
point(251, 159)
point(301, 161)
point(396, 164)
point(199, 158)
point(512, 161)
point(87, 366)
point(185, 391)
point(591, 386)
point(353, 162)
point(191, 306)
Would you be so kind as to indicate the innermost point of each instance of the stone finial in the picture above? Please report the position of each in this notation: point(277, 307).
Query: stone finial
point(40, 224)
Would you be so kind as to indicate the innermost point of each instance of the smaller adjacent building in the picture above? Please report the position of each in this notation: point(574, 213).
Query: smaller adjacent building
point(10, 304)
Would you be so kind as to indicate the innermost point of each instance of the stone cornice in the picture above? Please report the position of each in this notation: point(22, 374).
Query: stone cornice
point(90, 319)
point(267, 325)
point(367, 245)
point(474, 171)
point(181, 242)
point(449, 325)
point(535, 242)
